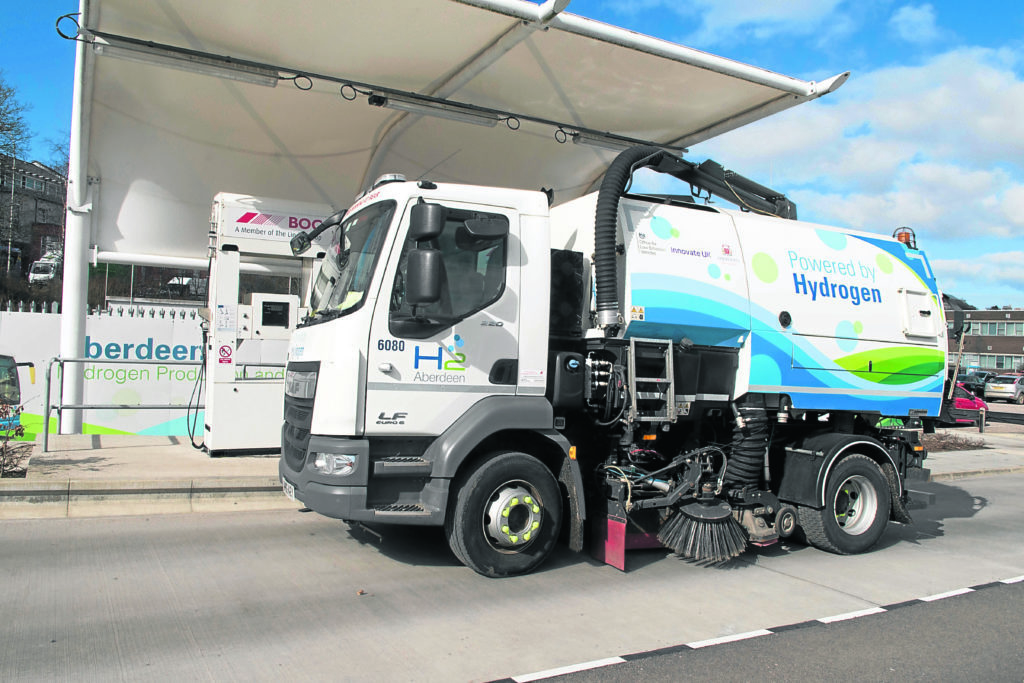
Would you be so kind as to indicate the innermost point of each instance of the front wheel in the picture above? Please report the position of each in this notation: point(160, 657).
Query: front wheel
point(857, 505)
point(506, 516)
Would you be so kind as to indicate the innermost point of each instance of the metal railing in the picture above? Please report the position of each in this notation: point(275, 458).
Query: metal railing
point(60, 406)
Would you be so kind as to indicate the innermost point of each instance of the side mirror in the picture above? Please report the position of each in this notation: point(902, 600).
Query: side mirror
point(299, 243)
point(426, 222)
point(304, 240)
point(423, 277)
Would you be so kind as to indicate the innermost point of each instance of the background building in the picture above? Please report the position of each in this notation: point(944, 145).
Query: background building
point(32, 199)
point(993, 339)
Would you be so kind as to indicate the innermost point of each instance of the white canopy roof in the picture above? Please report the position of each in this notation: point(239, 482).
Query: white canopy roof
point(161, 142)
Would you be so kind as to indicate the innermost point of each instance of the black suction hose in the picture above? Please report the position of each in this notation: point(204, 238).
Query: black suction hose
point(749, 441)
point(615, 180)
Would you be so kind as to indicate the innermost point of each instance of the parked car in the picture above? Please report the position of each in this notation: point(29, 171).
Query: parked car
point(968, 406)
point(972, 382)
point(1005, 388)
point(984, 375)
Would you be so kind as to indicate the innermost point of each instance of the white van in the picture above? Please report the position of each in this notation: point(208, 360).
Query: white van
point(43, 271)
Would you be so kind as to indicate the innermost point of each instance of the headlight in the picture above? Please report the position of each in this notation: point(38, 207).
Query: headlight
point(300, 384)
point(341, 464)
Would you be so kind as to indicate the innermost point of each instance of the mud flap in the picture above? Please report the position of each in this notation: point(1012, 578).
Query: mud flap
point(572, 480)
point(612, 536)
point(899, 512)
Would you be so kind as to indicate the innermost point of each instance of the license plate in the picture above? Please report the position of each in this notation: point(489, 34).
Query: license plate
point(289, 490)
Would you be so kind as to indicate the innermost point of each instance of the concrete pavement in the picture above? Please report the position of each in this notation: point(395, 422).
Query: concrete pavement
point(89, 475)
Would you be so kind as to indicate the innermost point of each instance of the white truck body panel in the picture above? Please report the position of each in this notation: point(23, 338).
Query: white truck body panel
point(866, 323)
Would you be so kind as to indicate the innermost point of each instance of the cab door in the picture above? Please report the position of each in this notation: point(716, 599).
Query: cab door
point(427, 364)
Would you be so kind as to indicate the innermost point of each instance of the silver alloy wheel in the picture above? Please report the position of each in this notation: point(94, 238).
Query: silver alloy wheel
point(512, 517)
point(855, 505)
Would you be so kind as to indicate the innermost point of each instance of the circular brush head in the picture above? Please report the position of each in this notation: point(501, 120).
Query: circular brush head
point(707, 512)
point(704, 533)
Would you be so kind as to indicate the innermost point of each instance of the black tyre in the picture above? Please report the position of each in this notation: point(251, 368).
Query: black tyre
point(505, 516)
point(1019, 400)
point(857, 504)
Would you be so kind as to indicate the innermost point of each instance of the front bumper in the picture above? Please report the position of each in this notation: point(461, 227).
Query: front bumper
point(380, 490)
point(330, 495)
point(1000, 394)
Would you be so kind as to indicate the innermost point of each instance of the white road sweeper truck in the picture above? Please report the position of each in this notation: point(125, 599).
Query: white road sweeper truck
point(675, 373)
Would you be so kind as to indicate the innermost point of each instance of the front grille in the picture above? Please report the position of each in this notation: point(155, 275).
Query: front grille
point(298, 418)
point(298, 412)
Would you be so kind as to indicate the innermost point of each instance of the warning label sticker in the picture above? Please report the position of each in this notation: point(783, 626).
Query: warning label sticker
point(225, 353)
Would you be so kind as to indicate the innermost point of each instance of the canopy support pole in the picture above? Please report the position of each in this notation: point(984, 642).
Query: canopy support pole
point(77, 234)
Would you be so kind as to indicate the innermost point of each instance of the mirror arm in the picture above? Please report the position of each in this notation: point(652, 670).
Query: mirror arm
point(304, 240)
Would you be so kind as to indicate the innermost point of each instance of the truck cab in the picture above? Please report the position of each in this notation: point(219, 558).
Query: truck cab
point(426, 343)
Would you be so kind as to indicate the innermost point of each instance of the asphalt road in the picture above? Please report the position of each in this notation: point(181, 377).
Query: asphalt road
point(281, 594)
point(978, 636)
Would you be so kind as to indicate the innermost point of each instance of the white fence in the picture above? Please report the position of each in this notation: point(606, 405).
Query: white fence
point(32, 307)
point(147, 310)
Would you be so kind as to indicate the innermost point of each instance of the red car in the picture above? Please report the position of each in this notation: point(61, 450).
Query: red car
point(966, 405)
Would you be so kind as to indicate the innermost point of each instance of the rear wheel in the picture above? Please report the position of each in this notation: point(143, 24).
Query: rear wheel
point(857, 505)
point(506, 516)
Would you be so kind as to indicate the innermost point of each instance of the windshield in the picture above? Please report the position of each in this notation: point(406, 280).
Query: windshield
point(10, 390)
point(346, 271)
point(42, 268)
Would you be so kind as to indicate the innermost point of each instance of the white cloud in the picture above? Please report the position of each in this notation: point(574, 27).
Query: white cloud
point(1011, 205)
point(938, 146)
point(915, 24)
point(721, 20)
point(714, 22)
point(944, 203)
point(963, 104)
point(1004, 269)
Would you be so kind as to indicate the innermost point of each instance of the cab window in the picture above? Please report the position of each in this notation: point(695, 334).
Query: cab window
point(472, 277)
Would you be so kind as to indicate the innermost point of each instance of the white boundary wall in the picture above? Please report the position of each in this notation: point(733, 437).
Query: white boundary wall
point(35, 337)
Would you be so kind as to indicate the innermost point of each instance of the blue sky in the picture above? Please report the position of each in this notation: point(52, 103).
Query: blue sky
point(928, 132)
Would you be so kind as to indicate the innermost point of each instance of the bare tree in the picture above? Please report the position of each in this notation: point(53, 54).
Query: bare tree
point(60, 153)
point(14, 132)
point(14, 135)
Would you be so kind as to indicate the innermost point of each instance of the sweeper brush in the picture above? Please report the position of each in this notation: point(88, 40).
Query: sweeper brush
point(704, 533)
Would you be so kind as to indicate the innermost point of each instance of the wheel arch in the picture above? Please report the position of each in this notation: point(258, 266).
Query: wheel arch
point(866, 446)
point(497, 420)
point(512, 423)
point(810, 461)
